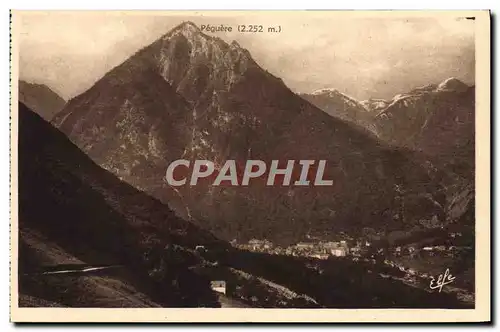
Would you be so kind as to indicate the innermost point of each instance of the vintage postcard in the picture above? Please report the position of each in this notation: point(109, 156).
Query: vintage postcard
point(222, 166)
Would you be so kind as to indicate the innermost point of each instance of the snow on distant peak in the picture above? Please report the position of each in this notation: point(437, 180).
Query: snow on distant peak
point(450, 80)
point(202, 42)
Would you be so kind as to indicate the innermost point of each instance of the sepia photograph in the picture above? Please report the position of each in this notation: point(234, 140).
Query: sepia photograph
point(250, 166)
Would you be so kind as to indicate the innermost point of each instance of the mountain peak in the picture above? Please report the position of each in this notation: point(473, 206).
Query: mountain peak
point(235, 44)
point(326, 91)
point(452, 84)
point(452, 79)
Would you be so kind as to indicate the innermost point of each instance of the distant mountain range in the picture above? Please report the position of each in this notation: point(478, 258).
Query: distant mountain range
point(192, 96)
point(436, 119)
point(338, 104)
point(41, 99)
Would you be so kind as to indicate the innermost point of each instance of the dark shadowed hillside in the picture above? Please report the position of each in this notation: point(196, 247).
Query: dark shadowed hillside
point(339, 105)
point(41, 99)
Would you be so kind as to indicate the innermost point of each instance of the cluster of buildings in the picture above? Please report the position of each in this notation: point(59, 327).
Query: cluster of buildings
point(320, 250)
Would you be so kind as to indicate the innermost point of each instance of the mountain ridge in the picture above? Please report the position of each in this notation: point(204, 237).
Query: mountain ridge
point(74, 214)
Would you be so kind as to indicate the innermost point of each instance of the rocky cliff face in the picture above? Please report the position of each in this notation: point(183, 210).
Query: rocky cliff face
point(74, 215)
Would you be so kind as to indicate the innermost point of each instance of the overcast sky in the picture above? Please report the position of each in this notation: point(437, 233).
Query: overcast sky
point(363, 57)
